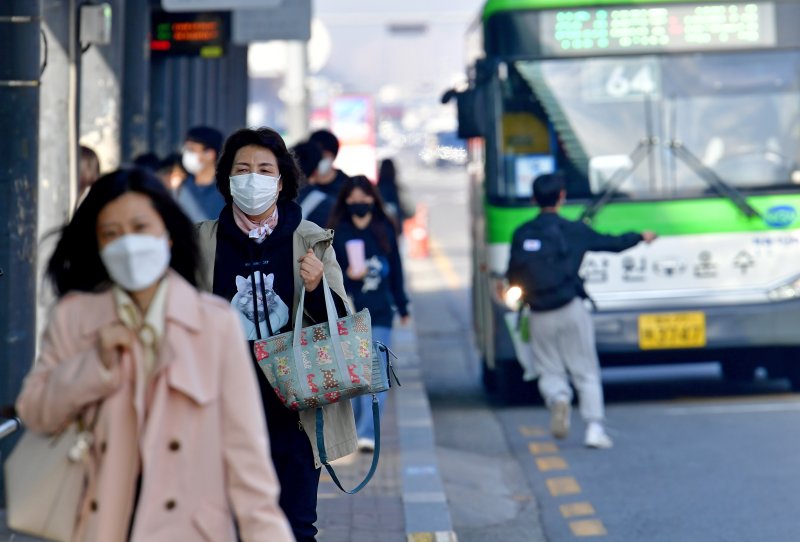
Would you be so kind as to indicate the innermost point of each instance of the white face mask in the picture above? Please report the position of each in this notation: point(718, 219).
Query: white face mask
point(324, 167)
point(135, 261)
point(254, 193)
point(191, 162)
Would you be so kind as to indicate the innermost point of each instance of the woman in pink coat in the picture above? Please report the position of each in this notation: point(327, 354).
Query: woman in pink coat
point(180, 447)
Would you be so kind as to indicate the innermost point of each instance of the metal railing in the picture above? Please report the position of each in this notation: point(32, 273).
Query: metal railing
point(8, 427)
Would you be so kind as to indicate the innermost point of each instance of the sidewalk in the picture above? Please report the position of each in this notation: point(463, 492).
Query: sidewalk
point(376, 512)
point(405, 500)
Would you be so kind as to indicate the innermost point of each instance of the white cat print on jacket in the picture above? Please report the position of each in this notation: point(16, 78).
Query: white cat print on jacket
point(243, 303)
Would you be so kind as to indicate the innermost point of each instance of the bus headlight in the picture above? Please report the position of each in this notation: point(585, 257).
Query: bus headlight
point(512, 297)
point(787, 291)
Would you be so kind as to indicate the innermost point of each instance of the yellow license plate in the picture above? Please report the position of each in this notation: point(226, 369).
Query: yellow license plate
point(672, 330)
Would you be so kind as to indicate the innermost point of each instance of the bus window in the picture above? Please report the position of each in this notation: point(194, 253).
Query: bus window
point(742, 123)
point(529, 146)
point(736, 112)
point(526, 151)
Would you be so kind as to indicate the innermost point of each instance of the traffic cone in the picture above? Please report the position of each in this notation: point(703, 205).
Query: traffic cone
point(416, 231)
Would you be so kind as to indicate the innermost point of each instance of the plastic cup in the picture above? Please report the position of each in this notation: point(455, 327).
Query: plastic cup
point(355, 255)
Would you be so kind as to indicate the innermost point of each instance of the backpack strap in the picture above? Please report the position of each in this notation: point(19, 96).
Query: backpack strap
point(311, 202)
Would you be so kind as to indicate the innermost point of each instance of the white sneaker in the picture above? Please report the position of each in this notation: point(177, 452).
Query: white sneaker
point(596, 437)
point(366, 444)
point(559, 419)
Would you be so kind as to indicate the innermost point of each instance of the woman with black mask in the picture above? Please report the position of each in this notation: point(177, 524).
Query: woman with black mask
point(366, 247)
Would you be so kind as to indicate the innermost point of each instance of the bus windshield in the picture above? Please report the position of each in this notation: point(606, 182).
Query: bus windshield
point(737, 114)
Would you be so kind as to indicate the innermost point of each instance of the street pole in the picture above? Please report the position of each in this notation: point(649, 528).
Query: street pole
point(19, 116)
point(58, 165)
point(101, 74)
point(232, 91)
point(136, 80)
point(295, 91)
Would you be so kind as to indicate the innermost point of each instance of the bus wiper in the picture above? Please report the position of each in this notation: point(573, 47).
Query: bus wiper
point(712, 178)
point(618, 178)
point(642, 150)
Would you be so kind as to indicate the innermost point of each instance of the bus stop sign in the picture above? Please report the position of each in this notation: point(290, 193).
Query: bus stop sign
point(290, 21)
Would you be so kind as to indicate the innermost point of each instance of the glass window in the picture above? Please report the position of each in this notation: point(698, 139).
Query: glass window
point(656, 121)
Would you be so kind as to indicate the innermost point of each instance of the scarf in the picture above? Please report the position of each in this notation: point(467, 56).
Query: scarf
point(255, 230)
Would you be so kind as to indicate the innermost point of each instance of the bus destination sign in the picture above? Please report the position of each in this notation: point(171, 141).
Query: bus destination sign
point(192, 34)
point(600, 31)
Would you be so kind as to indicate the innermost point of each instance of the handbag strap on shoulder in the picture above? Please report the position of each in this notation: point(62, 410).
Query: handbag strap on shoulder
point(323, 455)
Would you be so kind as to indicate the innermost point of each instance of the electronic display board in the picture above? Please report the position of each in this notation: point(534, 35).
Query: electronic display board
point(191, 34)
point(637, 29)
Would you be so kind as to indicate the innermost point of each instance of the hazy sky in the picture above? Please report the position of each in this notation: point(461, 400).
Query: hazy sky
point(382, 7)
point(366, 55)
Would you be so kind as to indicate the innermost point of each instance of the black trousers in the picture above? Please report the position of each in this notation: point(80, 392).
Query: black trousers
point(299, 484)
point(293, 458)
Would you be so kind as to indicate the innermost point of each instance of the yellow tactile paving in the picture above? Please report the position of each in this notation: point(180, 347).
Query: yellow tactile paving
point(546, 464)
point(576, 509)
point(445, 265)
point(588, 527)
point(565, 485)
point(532, 431)
point(542, 448)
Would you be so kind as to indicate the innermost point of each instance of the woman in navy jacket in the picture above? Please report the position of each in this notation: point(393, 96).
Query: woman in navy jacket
point(359, 214)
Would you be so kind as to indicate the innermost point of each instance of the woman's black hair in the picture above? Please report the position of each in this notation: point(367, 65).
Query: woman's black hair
point(261, 137)
point(387, 172)
point(381, 223)
point(308, 156)
point(76, 264)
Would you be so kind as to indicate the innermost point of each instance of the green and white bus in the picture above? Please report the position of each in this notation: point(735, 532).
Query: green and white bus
point(678, 117)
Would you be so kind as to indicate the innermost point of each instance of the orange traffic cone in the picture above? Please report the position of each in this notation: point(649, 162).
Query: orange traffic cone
point(416, 231)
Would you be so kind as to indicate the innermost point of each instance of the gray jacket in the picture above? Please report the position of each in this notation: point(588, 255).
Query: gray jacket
point(340, 428)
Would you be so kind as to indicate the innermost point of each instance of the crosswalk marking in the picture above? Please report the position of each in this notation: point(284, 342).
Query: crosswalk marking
point(541, 448)
point(565, 485)
point(576, 509)
point(588, 527)
point(532, 431)
point(546, 464)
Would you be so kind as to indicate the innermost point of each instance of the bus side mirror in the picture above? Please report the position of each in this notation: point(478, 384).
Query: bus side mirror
point(471, 111)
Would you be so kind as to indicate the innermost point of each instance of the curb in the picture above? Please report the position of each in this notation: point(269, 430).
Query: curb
point(427, 513)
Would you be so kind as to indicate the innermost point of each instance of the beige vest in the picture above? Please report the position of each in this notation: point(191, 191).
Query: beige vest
point(340, 428)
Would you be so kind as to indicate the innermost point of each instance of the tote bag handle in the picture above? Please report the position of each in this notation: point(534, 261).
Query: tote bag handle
point(323, 455)
point(330, 309)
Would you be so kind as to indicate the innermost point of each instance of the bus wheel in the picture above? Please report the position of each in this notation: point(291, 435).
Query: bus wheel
point(736, 370)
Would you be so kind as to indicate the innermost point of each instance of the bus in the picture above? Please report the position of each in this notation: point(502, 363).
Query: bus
point(673, 116)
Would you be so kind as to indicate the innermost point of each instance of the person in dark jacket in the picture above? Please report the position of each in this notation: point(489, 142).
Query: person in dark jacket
point(546, 255)
point(315, 204)
point(198, 195)
point(258, 255)
point(394, 194)
point(375, 282)
point(328, 178)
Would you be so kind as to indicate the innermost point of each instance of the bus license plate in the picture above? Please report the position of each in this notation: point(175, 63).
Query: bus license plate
point(672, 330)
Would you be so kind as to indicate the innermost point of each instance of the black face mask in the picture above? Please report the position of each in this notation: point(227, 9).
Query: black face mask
point(360, 209)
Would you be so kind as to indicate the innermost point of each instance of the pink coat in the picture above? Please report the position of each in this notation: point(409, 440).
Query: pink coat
point(203, 450)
